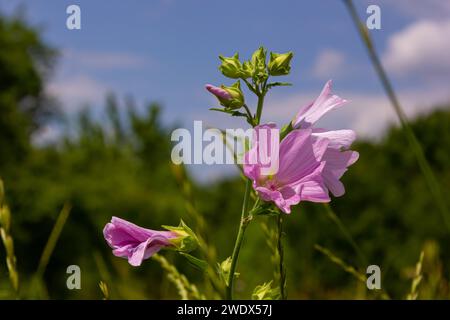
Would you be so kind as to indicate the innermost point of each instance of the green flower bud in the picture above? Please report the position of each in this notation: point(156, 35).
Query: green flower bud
point(247, 70)
point(280, 63)
point(231, 67)
point(259, 55)
point(186, 241)
point(266, 292)
point(224, 269)
point(237, 97)
point(259, 64)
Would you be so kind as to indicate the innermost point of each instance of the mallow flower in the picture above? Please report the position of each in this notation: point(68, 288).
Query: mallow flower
point(299, 172)
point(337, 156)
point(310, 160)
point(137, 244)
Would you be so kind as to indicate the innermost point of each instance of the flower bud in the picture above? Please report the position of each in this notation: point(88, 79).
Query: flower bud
point(248, 70)
point(186, 241)
point(266, 292)
point(220, 93)
point(229, 97)
point(231, 67)
point(279, 64)
point(259, 64)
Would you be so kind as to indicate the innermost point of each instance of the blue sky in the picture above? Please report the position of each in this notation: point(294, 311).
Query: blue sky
point(166, 50)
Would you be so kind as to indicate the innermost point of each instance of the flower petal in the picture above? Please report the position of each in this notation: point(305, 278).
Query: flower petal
point(300, 155)
point(336, 165)
point(262, 153)
point(339, 139)
point(326, 102)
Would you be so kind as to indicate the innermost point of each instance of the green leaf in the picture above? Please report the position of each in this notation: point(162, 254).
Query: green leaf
point(278, 84)
point(195, 262)
point(221, 110)
point(233, 113)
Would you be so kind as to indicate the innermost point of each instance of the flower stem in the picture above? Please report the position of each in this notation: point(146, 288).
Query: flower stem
point(260, 107)
point(237, 245)
point(282, 269)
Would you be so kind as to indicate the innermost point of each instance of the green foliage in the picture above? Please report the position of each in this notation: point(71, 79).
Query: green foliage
point(24, 63)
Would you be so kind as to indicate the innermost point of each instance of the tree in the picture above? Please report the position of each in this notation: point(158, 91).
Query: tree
point(25, 62)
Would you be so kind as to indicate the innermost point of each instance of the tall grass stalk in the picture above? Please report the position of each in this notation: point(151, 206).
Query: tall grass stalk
point(346, 233)
point(53, 239)
point(281, 266)
point(208, 251)
point(186, 290)
point(8, 242)
point(104, 289)
point(347, 268)
point(417, 279)
point(273, 241)
point(414, 143)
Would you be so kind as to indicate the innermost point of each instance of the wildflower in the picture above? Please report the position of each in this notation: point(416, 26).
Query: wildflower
point(299, 175)
point(135, 243)
point(337, 156)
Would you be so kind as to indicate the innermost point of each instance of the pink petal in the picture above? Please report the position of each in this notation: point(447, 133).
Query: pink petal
point(339, 139)
point(218, 92)
point(309, 114)
point(262, 153)
point(299, 155)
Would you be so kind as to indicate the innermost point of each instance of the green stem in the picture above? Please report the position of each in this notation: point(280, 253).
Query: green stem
point(249, 114)
point(237, 246)
point(424, 165)
point(260, 107)
point(282, 269)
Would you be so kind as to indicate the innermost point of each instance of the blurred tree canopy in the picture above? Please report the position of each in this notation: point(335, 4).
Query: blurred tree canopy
point(122, 167)
point(25, 62)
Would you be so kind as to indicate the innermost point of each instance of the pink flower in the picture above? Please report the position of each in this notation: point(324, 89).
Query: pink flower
point(337, 156)
point(299, 174)
point(133, 242)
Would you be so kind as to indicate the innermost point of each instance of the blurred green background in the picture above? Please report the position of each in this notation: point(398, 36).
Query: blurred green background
point(122, 167)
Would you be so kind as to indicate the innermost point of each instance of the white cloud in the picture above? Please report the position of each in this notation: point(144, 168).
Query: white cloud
point(421, 49)
point(328, 64)
point(105, 60)
point(76, 91)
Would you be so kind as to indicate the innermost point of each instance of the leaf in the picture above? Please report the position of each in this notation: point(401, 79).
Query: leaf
point(238, 114)
point(233, 113)
point(221, 110)
point(265, 210)
point(195, 262)
point(278, 84)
